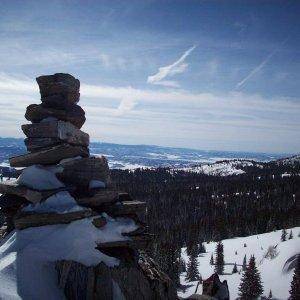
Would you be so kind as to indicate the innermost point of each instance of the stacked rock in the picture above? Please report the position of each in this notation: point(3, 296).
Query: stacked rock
point(56, 143)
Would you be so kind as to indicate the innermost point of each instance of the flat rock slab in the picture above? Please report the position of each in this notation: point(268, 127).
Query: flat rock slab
point(102, 197)
point(11, 187)
point(73, 114)
point(37, 144)
point(126, 208)
point(81, 171)
point(64, 131)
point(48, 157)
point(60, 88)
point(110, 247)
point(26, 220)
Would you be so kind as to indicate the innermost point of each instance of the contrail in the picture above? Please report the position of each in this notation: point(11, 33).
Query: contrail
point(260, 66)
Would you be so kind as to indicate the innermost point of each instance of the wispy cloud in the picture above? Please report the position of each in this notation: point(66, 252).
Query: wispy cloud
point(260, 66)
point(113, 115)
point(179, 66)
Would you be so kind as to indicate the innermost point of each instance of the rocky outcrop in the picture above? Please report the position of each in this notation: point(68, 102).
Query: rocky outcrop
point(138, 279)
point(58, 150)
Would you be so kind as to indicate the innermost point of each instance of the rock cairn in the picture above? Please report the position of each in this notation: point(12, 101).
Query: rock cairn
point(54, 138)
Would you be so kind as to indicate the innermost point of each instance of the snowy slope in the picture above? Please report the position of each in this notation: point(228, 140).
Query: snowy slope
point(274, 275)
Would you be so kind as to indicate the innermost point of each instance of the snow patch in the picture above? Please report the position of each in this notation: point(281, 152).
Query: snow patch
point(40, 178)
point(61, 203)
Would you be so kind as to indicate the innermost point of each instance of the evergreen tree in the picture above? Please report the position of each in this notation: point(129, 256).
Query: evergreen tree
point(192, 273)
point(234, 270)
point(201, 248)
point(251, 285)
point(291, 235)
point(244, 263)
point(283, 235)
point(270, 295)
point(219, 263)
point(212, 259)
point(295, 284)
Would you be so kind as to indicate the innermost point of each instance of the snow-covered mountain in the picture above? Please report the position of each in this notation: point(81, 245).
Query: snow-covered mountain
point(224, 168)
point(276, 273)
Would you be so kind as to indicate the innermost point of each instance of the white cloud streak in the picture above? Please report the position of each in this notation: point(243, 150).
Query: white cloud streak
point(260, 66)
point(179, 66)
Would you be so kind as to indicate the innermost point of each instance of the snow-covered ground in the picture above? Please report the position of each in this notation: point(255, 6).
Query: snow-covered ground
point(274, 275)
point(223, 168)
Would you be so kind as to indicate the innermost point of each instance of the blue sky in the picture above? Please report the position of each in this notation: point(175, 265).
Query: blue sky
point(220, 75)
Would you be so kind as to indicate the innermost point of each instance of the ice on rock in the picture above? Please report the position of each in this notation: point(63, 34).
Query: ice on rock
point(40, 178)
point(61, 202)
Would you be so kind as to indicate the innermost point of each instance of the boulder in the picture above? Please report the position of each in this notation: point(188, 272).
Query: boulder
point(72, 113)
point(26, 220)
point(82, 171)
point(49, 156)
point(59, 90)
point(126, 208)
point(64, 131)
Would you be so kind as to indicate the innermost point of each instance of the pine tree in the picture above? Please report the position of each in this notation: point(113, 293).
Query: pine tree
point(211, 259)
point(291, 235)
point(283, 235)
point(295, 284)
point(234, 270)
point(244, 263)
point(192, 273)
point(219, 262)
point(251, 285)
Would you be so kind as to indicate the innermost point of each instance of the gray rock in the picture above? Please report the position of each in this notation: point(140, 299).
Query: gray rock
point(72, 113)
point(64, 131)
point(49, 156)
point(81, 171)
point(59, 88)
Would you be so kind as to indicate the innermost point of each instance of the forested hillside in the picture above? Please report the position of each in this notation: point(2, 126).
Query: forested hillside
point(187, 208)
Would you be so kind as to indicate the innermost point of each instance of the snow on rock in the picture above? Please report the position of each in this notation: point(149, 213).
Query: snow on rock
point(273, 272)
point(40, 178)
point(61, 202)
point(27, 257)
point(94, 184)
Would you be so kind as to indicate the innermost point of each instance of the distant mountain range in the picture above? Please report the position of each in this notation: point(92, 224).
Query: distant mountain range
point(147, 156)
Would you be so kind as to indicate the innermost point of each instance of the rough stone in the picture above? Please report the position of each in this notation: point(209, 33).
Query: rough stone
point(60, 88)
point(26, 220)
point(72, 113)
point(37, 144)
point(64, 131)
point(99, 222)
point(81, 171)
point(49, 156)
